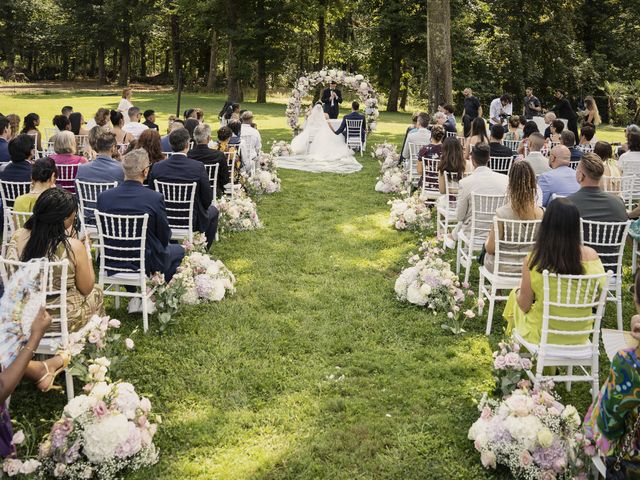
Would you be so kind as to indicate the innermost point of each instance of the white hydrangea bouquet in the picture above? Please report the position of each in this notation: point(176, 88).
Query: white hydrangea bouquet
point(429, 282)
point(409, 213)
point(237, 214)
point(532, 434)
point(281, 149)
point(203, 279)
point(262, 182)
point(392, 180)
point(382, 151)
point(102, 434)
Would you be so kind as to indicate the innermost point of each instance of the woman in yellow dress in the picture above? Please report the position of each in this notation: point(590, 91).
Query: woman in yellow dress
point(43, 177)
point(558, 249)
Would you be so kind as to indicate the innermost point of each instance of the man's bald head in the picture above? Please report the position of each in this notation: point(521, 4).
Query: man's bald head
point(559, 156)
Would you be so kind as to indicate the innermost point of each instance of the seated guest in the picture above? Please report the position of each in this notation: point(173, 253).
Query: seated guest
point(625, 146)
point(225, 135)
point(496, 148)
point(603, 150)
point(133, 126)
point(164, 141)
point(178, 168)
point(62, 123)
point(100, 119)
point(549, 118)
point(118, 123)
point(591, 201)
point(439, 118)
point(536, 159)
point(104, 168)
point(252, 136)
point(477, 134)
point(236, 128)
point(514, 132)
point(422, 136)
point(521, 205)
point(587, 134)
point(50, 233)
point(450, 124)
point(411, 128)
point(64, 145)
point(354, 115)
point(5, 137)
point(612, 417)
point(556, 128)
point(629, 162)
point(208, 156)
point(150, 142)
point(20, 154)
point(433, 150)
point(149, 120)
point(132, 198)
point(568, 139)
point(561, 179)
point(452, 162)
point(43, 177)
point(67, 110)
point(30, 126)
point(14, 121)
point(77, 124)
point(190, 124)
point(199, 114)
point(559, 250)
point(483, 180)
point(529, 128)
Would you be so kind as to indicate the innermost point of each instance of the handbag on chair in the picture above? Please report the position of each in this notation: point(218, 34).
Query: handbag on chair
point(617, 467)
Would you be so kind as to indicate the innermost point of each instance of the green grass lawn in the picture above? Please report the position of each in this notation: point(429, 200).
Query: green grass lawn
point(313, 369)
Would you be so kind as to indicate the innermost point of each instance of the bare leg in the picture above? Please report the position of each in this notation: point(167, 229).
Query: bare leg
point(35, 369)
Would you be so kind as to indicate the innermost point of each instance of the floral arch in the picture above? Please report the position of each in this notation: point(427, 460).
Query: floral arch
point(356, 83)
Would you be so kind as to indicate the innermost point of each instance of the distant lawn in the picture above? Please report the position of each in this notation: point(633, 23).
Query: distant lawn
point(313, 369)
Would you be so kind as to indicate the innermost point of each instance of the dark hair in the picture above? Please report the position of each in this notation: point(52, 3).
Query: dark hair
point(224, 108)
point(235, 127)
point(148, 113)
point(558, 125)
point(355, 105)
point(568, 138)
point(437, 133)
point(179, 139)
point(529, 128)
point(481, 153)
point(560, 91)
point(497, 131)
point(423, 120)
point(43, 168)
point(522, 188)
point(102, 116)
point(62, 122)
point(505, 98)
point(478, 127)
point(4, 123)
point(449, 108)
point(76, 122)
point(224, 133)
point(188, 112)
point(66, 108)
point(149, 140)
point(558, 241)
point(177, 120)
point(588, 131)
point(30, 122)
point(633, 140)
point(452, 160)
point(514, 121)
point(116, 117)
point(190, 124)
point(46, 224)
point(603, 150)
point(20, 147)
point(105, 141)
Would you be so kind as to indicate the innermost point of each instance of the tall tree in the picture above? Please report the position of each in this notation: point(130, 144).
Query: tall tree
point(213, 61)
point(439, 53)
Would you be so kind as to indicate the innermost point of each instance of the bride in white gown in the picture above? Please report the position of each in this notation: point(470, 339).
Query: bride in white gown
point(319, 149)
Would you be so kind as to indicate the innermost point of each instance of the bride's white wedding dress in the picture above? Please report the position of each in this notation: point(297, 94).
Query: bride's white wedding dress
point(319, 149)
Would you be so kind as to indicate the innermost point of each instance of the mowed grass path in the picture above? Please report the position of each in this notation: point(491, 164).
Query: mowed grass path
point(313, 369)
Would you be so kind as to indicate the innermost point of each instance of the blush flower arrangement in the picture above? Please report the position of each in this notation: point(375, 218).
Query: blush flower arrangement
point(392, 180)
point(409, 213)
point(237, 214)
point(532, 434)
point(382, 151)
point(510, 364)
point(281, 149)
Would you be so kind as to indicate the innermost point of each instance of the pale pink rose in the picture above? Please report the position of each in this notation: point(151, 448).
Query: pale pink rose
point(499, 363)
point(549, 475)
point(480, 303)
point(486, 413)
point(94, 337)
point(18, 438)
point(100, 409)
point(526, 364)
point(590, 450)
point(559, 465)
point(11, 466)
point(512, 359)
point(113, 323)
point(488, 459)
point(129, 344)
point(525, 458)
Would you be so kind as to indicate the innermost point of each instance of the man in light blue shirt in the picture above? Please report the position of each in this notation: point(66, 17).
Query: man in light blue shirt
point(561, 180)
point(104, 168)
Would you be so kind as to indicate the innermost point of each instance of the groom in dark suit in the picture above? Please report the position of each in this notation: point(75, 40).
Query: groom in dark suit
point(331, 100)
point(354, 115)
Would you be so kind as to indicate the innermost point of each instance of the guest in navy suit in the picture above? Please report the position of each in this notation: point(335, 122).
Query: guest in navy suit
point(354, 115)
point(208, 156)
point(132, 198)
point(164, 141)
point(178, 168)
point(20, 151)
point(104, 169)
point(5, 135)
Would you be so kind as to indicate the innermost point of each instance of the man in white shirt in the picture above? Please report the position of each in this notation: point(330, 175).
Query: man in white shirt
point(536, 159)
point(251, 140)
point(500, 109)
point(421, 136)
point(629, 161)
point(134, 127)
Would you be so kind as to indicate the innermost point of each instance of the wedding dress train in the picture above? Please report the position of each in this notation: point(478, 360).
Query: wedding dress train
point(319, 149)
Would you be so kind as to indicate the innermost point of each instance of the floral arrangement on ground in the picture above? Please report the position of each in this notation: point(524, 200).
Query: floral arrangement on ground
point(409, 213)
point(281, 149)
point(265, 179)
point(237, 214)
point(363, 89)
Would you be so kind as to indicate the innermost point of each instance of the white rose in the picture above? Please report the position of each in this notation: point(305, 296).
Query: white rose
point(29, 467)
point(488, 459)
point(127, 400)
point(410, 216)
point(79, 405)
point(103, 437)
point(11, 466)
point(425, 290)
point(218, 291)
point(246, 223)
point(59, 470)
point(400, 207)
point(414, 295)
point(571, 416)
point(100, 390)
point(18, 438)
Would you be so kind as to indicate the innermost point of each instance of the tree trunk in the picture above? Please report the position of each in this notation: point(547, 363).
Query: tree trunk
point(125, 59)
point(234, 90)
point(404, 91)
point(143, 56)
point(262, 80)
point(114, 66)
point(177, 48)
point(213, 62)
point(65, 66)
point(322, 33)
point(396, 73)
point(102, 74)
point(167, 56)
point(439, 53)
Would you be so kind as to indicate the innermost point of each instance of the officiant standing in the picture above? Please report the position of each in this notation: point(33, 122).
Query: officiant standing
point(331, 100)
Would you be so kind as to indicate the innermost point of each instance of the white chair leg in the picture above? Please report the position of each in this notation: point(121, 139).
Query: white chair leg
point(145, 311)
point(68, 378)
point(480, 288)
point(467, 264)
point(458, 258)
point(619, 304)
point(569, 373)
point(634, 256)
point(492, 304)
point(117, 297)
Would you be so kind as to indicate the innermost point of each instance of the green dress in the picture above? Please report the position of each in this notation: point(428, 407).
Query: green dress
point(529, 325)
point(25, 203)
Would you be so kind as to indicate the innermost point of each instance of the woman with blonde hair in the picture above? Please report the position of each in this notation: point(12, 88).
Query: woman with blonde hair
point(14, 121)
point(125, 104)
point(521, 204)
point(591, 113)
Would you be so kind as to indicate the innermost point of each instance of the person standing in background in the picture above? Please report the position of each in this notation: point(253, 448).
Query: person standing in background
point(532, 105)
point(472, 110)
